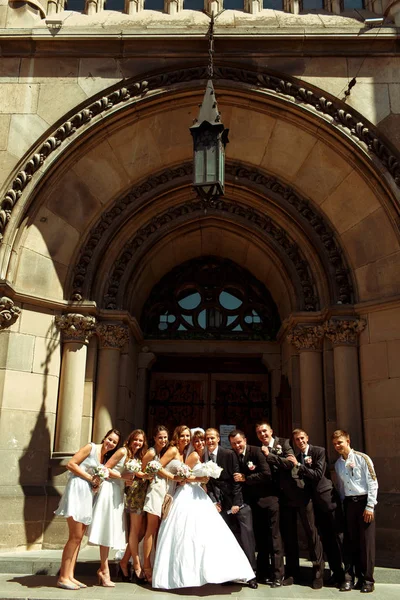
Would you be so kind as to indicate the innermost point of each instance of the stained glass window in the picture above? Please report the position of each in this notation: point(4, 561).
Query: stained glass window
point(210, 298)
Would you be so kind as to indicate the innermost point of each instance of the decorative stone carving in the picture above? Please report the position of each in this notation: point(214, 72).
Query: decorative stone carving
point(344, 332)
point(343, 116)
point(76, 327)
point(35, 4)
point(253, 6)
point(306, 337)
point(172, 7)
point(9, 313)
point(112, 336)
point(235, 173)
point(278, 236)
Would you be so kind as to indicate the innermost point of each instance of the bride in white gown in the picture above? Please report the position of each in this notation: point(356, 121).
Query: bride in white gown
point(195, 546)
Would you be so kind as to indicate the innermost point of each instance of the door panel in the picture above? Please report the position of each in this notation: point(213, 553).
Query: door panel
point(209, 400)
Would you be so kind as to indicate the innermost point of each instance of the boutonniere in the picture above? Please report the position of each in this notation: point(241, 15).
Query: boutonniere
point(251, 466)
point(351, 465)
point(308, 460)
point(278, 449)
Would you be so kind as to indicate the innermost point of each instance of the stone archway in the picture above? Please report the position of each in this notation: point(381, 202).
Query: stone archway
point(310, 210)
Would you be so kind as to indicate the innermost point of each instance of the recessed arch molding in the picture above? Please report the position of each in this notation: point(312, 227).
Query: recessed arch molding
point(328, 247)
point(126, 92)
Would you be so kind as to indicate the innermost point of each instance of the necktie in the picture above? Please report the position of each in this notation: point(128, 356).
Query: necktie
point(213, 458)
point(302, 458)
point(241, 459)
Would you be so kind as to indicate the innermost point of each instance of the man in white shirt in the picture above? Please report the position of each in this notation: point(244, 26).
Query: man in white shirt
point(358, 488)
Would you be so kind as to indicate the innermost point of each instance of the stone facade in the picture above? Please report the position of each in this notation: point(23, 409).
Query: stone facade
point(96, 206)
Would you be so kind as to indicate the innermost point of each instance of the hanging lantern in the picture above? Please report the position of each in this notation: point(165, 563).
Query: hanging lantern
point(209, 141)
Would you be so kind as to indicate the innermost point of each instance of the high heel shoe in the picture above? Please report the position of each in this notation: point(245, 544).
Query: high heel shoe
point(148, 575)
point(138, 576)
point(125, 578)
point(104, 580)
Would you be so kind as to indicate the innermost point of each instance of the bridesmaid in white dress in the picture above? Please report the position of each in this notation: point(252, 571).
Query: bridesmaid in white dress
point(107, 528)
point(195, 546)
point(159, 487)
point(76, 503)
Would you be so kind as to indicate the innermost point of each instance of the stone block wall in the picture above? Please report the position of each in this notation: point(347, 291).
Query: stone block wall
point(29, 374)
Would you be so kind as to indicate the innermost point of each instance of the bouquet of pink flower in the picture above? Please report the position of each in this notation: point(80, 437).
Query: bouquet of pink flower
point(100, 471)
point(153, 467)
point(134, 465)
point(184, 471)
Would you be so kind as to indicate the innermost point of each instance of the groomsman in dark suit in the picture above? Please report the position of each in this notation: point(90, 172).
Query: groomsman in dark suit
point(312, 468)
point(292, 501)
point(226, 493)
point(260, 493)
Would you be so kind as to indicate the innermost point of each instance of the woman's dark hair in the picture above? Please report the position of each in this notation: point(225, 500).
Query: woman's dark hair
point(158, 429)
point(130, 439)
point(177, 432)
point(111, 452)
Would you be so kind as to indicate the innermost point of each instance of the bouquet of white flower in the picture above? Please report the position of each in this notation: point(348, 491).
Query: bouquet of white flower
point(153, 467)
point(100, 471)
point(183, 471)
point(133, 465)
point(211, 469)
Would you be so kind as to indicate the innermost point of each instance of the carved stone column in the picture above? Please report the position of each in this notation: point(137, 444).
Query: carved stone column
point(133, 6)
point(172, 7)
point(253, 6)
point(213, 6)
point(111, 339)
point(343, 333)
point(145, 361)
point(9, 313)
point(308, 341)
point(76, 330)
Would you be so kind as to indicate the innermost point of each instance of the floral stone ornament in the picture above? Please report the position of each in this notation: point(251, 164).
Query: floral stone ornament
point(9, 313)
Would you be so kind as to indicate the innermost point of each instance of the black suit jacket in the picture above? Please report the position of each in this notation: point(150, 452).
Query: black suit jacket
point(225, 489)
point(318, 485)
point(290, 493)
point(257, 487)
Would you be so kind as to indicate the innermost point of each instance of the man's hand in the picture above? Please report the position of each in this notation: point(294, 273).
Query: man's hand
point(265, 450)
point(368, 516)
point(239, 477)
point(292, 459)
point(235, 509)
point(218, 506)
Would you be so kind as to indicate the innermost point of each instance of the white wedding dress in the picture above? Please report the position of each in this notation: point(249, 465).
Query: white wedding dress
point(195, 546)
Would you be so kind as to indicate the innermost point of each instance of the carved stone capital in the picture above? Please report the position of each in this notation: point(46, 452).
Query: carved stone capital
point(112, 336)
point(306, 337)
point(75, 327)
point(343, 332)
point(9, 313)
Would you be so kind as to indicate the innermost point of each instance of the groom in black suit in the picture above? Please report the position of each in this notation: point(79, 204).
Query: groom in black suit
point(312, 468)
point(227, 496)
point(260, 493)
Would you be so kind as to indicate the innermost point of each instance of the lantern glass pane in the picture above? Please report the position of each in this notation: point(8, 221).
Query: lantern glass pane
point(211, 173)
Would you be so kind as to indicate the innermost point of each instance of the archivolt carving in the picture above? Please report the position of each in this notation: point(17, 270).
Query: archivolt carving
point(264, 223)
point(249, 177)
point(342, 116)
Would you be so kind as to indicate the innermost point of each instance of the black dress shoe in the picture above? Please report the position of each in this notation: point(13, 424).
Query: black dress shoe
point(277, 583)
point(358, 585)
point(367, 587)
point(287, 581)
point(252, 583)
point(346, 586)
point(265, 580)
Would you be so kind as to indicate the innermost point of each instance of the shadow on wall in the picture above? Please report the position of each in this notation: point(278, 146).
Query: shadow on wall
point(39, 495)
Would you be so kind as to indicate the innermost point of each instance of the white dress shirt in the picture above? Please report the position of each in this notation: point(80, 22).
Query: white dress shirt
point(356, 477)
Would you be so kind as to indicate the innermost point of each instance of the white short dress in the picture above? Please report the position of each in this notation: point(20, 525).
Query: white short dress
point(77, 499)
point(155, 493)
point(108, 523)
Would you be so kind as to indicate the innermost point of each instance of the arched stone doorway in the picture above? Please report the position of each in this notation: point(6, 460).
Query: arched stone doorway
point(103, 209)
